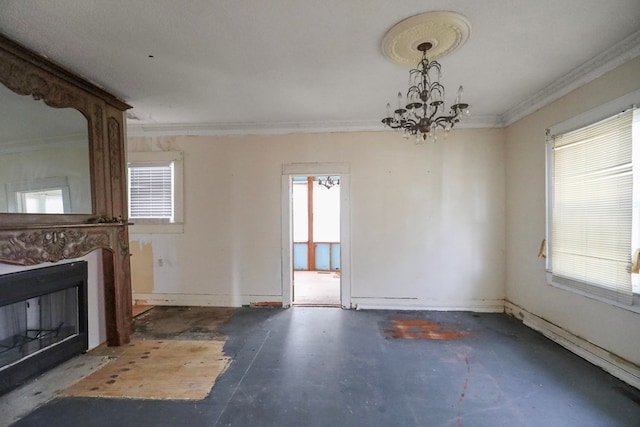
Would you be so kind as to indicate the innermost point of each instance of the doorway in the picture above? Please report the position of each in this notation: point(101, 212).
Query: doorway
point(327, 262)
point(316, 241)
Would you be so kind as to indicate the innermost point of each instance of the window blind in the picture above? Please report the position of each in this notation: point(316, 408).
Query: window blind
point(592, 208)
point(151, 191)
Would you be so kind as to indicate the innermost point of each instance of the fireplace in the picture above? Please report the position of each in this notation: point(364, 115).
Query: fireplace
point(43, 320)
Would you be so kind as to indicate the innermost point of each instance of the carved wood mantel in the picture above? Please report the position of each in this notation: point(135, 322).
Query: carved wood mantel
point(33, 245)
point(31, 239)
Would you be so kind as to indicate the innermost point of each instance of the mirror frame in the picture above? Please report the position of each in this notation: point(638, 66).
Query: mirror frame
point(26, 73)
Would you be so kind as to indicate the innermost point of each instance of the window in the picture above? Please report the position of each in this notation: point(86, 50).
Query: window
point(40, 195)
point(592, 221)
point(45, 201)
point(155, 191)
point(151, 191)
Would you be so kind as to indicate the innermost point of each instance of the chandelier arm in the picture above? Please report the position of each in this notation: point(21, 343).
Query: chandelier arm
point(437, 86)
point(434, 65)
point(413, 89)
point(452, 120)
point(431, 119)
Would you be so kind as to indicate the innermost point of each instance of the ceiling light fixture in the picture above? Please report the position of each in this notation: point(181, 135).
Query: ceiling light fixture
point(424, 38)
point(328, 181)
point(423, 112)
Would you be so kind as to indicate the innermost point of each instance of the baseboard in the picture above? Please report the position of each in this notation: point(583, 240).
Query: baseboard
point(484, 306)
point(616, 366)
point(206, 300)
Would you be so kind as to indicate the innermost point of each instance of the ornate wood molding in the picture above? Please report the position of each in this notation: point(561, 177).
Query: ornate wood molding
point(24, 72)
point(38, 238)
point(26, 81)
point(32, 247)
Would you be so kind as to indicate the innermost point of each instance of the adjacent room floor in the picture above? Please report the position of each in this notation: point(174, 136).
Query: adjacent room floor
point(330, 367)
point(316, 288)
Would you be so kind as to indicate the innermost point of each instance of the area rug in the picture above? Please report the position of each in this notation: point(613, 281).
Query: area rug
point(157, 369)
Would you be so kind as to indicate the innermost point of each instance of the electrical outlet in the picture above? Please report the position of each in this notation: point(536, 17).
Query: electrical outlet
point(160, 262)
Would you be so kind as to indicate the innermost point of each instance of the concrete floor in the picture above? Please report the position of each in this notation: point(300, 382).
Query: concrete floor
point(331, 367)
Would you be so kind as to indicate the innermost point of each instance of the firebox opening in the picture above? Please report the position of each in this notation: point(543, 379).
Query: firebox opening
point(43, 320)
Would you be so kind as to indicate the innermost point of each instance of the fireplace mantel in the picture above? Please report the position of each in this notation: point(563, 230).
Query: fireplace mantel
point(38, 244)
point(33, 239)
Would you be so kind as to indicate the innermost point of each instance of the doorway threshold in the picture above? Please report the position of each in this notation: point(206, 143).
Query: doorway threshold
point(315, 305)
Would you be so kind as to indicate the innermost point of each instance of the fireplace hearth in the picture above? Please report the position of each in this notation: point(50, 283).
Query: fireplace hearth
point(43, 320)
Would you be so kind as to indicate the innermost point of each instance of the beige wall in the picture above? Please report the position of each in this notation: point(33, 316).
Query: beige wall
point(427, 222)
point(525, 194)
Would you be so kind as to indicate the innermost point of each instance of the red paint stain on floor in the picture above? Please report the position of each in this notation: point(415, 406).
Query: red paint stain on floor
point(418, 329)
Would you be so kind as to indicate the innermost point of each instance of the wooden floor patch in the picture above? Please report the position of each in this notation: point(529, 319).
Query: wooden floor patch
point(157, 369)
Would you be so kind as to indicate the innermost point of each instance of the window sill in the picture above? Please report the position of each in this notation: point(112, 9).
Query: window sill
point(635, 307)
point(175, 228)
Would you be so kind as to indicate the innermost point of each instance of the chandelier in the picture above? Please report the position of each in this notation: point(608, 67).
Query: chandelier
point(423, 111)
point(328, 182)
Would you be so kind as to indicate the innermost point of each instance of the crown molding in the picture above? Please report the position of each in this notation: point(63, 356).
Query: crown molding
point(281, 128)
point(247, 128)
point(48, 143)
point(622, 52)
point(618, 54)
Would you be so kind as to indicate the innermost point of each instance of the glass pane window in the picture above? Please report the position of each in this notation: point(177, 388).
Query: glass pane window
point(151, 191)
point(591, 186)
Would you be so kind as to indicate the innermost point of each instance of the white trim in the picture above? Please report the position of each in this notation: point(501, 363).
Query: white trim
point(606, 61)
point(153, 156)
point(633, 307)
point(286, 246)
point(177, 157)
point(345, 241)
point(166, 228)
point(203, 299)
point(597, 114)
point(311, 169)
point(283, 128)
point(481, 306)
point(615, 365)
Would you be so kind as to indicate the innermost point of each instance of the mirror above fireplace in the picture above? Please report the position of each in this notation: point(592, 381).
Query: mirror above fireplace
point(44, 157)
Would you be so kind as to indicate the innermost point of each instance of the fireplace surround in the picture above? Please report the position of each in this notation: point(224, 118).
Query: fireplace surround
point(29, 239)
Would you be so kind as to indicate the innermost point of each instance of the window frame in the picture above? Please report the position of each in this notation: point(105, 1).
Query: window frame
point(17, 191)
point(151, 225)
point(585, 119)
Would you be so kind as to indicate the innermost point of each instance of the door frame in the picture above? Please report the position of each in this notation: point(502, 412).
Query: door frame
point(314, 169)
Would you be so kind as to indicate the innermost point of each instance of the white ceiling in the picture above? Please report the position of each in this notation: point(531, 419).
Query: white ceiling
point(234, 66)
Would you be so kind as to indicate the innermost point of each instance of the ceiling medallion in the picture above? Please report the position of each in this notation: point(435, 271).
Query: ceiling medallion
point(421, 39)
point(446, 31)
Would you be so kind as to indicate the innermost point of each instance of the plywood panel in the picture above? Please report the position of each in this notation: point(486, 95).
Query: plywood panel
point(157, 369)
